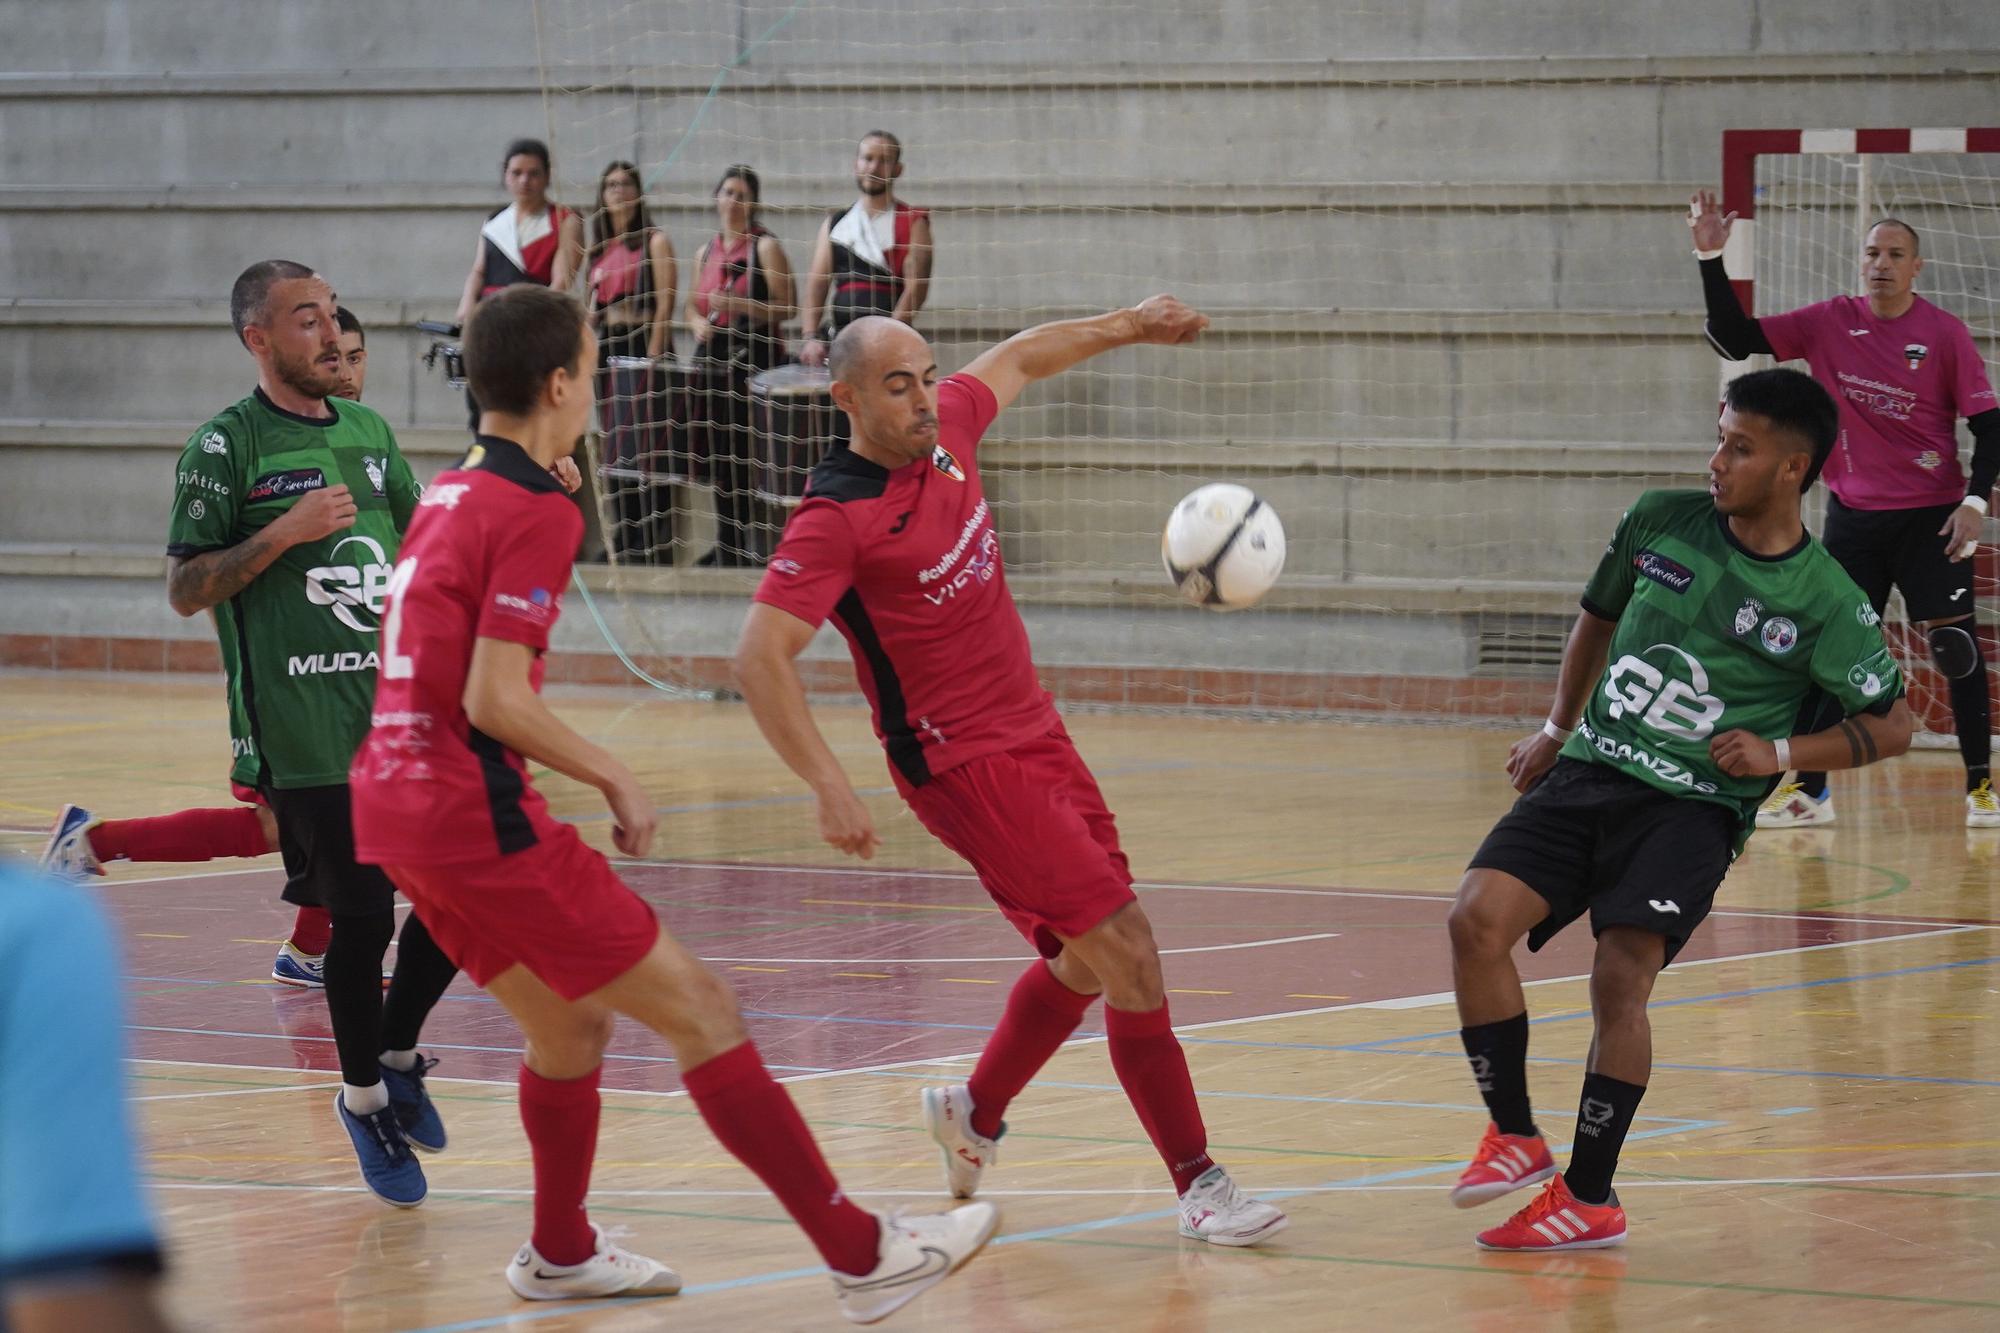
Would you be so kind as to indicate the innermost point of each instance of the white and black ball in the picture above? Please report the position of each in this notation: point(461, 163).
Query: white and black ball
point(1224, 547)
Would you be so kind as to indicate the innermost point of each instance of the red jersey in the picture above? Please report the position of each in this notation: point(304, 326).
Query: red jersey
point(486, 556)
point(907, 562)
point(1902, 384)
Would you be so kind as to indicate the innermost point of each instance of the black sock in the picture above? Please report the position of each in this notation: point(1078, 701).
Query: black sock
point(1603, 1115)
point(1812, 784)
point(1499, 1056)
point(422, 974)
point(353, 972)
point(1972, 717)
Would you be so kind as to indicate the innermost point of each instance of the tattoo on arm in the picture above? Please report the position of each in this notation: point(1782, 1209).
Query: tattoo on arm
point(213, 577)
point(1861, 748)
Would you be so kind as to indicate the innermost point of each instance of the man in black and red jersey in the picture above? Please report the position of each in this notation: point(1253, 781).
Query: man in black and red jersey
point(443, 803)
point(895, 540)
point(872, 257)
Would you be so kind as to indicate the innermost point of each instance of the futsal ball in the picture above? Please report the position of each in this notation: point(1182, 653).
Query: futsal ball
point(1224, 547)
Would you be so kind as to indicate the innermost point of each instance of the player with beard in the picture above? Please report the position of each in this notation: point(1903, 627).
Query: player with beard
point(871, 258)
point(80, 842)
point(287, 513)
point(1718, 614)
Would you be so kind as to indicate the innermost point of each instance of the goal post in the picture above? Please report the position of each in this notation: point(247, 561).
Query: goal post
point(1803, 200)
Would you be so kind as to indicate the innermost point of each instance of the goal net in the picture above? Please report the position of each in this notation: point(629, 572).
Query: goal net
point(1449, 353)
point(1813, 195)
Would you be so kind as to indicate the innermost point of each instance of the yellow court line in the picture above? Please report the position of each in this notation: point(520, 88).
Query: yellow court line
point(152, 935)
point(907, 907)
point(70, 729)
point(1301, 995)
point(743, 968)
point(971, 981)
point(872, 976)
point(1171, 991)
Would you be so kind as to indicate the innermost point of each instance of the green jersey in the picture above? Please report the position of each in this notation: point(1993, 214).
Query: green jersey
point(1714, 638)
point(299, 643)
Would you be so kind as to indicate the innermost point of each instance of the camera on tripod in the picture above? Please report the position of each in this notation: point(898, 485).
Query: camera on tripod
point(444, 348)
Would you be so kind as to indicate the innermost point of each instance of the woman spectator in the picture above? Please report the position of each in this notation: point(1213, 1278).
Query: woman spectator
point(533, 239)
point(742, 293)
point(633, 284)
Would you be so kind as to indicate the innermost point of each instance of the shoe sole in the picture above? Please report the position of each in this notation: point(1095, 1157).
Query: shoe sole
point(55, 836)
point(340, 1114)
point(933, 1123)
point(623, 1293)
point(1471, 1196)
point(1602, 1243)
point(295, 983)
point(903, 1298)
point(1240, 1241)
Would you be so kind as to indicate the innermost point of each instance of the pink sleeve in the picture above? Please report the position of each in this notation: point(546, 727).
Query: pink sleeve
point(1972, 391)
point(529, 570)
point(1793, 333)
point(966, 407)
point(813, 567)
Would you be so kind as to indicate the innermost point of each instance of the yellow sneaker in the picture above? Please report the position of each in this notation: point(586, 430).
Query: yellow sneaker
point(1982, 806)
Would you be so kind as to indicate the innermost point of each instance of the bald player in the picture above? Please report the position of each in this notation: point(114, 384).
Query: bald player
point(895, 541)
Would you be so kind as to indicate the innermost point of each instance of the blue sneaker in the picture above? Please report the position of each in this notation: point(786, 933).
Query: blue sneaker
point(415, 1112)
point(388, 1167)
point(293, 968)
point(67, 852)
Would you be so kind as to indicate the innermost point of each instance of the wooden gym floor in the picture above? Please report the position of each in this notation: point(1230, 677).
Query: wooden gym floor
point(1818, 1147)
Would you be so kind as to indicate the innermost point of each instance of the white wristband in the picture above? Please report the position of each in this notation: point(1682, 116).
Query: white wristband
point(1975, 502)
point(1783, 745)
point(1556, 733)
point(1708, 254)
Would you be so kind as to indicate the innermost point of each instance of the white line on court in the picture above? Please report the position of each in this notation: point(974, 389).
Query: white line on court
point(1029, 958)
point(232, 1092)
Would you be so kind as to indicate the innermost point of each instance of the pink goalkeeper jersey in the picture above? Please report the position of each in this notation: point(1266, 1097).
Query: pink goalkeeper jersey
point(1902, 384)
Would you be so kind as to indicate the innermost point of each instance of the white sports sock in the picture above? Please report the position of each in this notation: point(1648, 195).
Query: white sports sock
point(401, 1061)
point(364, 1101)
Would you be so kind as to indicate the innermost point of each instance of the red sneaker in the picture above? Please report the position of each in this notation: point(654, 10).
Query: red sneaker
point(1503, 1164)
point(1556, 1221)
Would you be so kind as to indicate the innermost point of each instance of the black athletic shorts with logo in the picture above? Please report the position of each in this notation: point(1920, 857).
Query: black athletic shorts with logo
point(316, 835)
point(1588, 837)
point(1881, 547)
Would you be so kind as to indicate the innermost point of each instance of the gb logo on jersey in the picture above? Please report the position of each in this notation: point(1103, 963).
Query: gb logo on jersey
point(352, 589)
point(1675, 707)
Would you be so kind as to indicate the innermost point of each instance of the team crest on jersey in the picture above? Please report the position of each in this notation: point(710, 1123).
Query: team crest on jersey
point(942, 460)
point(1916, 352)
point(1667, 573)
point(1779, 634)
point(1748, 615)
point(1930, 460)
point(374, 467)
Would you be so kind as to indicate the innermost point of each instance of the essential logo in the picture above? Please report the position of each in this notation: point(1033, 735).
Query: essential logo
point(196, 509)
point(214, 443)
point(352, 589)
point(1664, 906)
point(446, 496)
point(1915, 353)
point(286, 485)
point(942, 460)
point(1667, 573)
point(1779, 635)
point(1675, 707)
point(1748, 615)
point(373, 466)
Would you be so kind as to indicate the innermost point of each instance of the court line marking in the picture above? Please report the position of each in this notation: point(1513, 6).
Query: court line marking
point(234, 1092)
point(1028, 958)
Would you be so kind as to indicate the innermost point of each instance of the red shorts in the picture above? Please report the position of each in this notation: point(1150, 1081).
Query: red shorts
point(1033, 824)
point(557, 908)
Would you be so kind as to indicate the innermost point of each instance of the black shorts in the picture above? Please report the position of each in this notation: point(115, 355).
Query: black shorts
point(1901, 547)
point(1588, 836)
point(316, 835)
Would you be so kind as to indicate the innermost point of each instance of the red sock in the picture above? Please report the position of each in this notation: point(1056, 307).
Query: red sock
point(560, 1116)
point(1153, 1071)
point(188, 835)
point(1041, 1013)
point(757, 1122)
point(311, 930)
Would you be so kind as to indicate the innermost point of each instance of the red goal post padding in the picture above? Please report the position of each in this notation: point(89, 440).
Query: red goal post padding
point(1740, 151)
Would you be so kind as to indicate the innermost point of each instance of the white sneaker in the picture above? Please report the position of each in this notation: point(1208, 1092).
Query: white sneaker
point(1790, 807)
point(610, 1272)
point(1214, 1210)
point(967, 1153)
point(1982, 806)
point(68, 852)
point(917, 1254)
